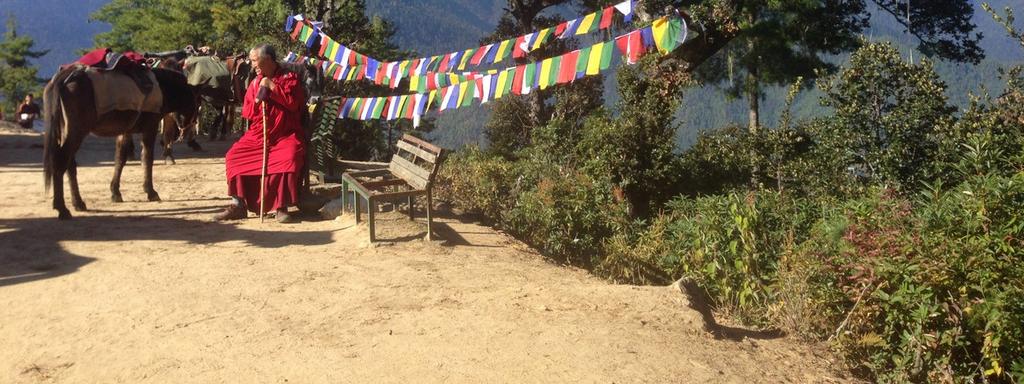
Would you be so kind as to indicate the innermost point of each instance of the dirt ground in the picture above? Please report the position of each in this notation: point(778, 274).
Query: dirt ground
point(144, 292)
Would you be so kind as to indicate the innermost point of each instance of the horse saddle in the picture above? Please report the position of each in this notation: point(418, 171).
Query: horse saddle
point(118, 91)
point(129, 63)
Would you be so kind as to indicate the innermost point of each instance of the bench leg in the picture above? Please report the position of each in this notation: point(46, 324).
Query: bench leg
point(371, 208)
point(430, 218)
point(344, 196)
point(355, 206)
point(412, 209)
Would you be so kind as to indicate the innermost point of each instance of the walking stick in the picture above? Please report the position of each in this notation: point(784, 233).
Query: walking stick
point(263, 176)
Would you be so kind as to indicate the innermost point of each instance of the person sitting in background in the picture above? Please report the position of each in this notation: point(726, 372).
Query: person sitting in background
point(27, 112)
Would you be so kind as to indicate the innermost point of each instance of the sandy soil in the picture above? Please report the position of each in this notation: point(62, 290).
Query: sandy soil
point(154, 292)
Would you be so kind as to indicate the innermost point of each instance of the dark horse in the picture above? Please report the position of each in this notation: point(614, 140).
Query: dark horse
point(224, 100)
point(172, 129)
point(71, 116)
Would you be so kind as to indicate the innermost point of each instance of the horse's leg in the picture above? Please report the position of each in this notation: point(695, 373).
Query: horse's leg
point(148, 141)
point(218, 124)
point(76, 197)
point(64, 161)
point(120, 158)
point(60, 165)
point(229, 119)
point(167, 140)
point(225, 114)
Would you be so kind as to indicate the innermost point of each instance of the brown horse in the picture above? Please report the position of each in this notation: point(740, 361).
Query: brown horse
point(72, 114)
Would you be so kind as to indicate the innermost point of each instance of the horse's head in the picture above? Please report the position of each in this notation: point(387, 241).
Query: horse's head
point(180, 98)
point(313, 80)
point(241, 74)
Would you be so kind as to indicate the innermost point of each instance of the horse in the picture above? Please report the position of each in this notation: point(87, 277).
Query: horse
point(72, 114)
point(222, 99)
point(172, 131)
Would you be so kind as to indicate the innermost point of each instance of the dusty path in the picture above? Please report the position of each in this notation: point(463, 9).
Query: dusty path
point(154, 292)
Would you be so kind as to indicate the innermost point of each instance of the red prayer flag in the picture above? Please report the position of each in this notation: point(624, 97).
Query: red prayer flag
point(431, 81)
point(479, 55)
point(632, 46)
point(517, 80)
point(567, 71)
point(517, 50)
point(324, 40)
point(606, 17)
point(560, 29)
point(297, 30)
point(444, 63)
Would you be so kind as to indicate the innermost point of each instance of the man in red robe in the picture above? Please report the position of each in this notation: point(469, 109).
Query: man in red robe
point(279, 93)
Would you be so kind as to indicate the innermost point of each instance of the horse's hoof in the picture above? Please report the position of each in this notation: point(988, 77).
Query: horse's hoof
point(116, 199)
point(169, 161)
point(154, 197)
point(63, 214)
point(80, 207)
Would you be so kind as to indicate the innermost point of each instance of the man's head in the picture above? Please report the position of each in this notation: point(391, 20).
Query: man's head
point(264, 59)
point(28, 98)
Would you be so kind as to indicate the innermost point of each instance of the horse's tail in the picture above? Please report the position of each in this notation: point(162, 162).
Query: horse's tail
point(52, 99)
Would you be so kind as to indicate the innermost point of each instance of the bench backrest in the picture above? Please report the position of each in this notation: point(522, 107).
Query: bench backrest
point(416, 161)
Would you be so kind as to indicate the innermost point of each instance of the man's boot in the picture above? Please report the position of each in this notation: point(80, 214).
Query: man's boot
point(233, 212)
point(284, 218)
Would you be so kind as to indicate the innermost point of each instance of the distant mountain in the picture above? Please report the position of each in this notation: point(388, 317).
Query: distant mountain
point(431, 27)
point(62, 26)
point(458, 24)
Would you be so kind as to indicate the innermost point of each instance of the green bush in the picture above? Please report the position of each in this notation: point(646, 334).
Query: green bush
point(564, 213)
point(477, 182)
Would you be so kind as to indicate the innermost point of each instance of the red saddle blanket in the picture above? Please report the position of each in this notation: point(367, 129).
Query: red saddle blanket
point(105, 58)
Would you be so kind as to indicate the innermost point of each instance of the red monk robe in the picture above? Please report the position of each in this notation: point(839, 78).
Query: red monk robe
point(286, 151)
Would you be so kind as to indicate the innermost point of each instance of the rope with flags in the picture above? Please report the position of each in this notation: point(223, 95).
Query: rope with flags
point(435, 80)
point(388, 73)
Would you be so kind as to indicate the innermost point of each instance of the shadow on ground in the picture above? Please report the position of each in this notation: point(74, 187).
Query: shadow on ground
point(32, 249)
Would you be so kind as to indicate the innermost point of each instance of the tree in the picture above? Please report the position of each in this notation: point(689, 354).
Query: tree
point(514, 118)
point(751, 44)
point(888, 114)
point(17, 77)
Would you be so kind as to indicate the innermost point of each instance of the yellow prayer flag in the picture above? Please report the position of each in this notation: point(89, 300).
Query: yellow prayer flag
point(462, 94)
point(594, 61)
point(414, 83)
point(545, 74)
point(586, 24)
point(659, 29)
point(502, 80)
point(541, 37)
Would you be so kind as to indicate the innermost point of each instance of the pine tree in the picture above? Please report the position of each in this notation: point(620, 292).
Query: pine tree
point(17, 76)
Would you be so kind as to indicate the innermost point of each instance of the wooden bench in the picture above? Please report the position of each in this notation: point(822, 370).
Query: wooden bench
point(410, 174)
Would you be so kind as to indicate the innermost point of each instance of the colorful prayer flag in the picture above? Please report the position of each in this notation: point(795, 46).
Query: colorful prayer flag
point(529, 77)
point(570, 29)
point(594, 62)
point(587, 24)
point(517, 80)
point(606, 17)
point(504, 49)
point(540, 39)
point(567, 68)
point(626, 8)
point(545, 73)
point(669, 33)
